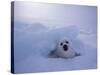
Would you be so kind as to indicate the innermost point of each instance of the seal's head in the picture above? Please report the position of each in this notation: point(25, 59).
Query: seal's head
point(64, 44)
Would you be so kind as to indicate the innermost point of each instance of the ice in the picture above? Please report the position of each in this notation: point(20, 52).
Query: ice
point(32, 47)
point(38, 30)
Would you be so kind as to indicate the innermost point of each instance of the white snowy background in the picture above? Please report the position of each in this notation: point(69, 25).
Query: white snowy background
point(39, 26)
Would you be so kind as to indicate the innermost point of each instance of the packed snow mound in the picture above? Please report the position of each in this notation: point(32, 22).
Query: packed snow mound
point(32, 47)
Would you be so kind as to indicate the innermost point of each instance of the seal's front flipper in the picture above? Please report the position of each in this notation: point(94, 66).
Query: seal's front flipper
point(52, 54)
point(77, 54)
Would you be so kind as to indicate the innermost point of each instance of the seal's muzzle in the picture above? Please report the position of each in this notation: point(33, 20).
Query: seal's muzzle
point(65, 47)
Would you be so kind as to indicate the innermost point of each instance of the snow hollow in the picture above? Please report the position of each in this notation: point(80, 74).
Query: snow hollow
point(36, 34)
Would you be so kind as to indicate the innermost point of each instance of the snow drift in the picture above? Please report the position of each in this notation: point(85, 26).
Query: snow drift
point(33, 42)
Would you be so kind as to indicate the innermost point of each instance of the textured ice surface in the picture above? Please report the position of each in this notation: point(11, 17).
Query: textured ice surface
point(41, 26)
point(32, 47)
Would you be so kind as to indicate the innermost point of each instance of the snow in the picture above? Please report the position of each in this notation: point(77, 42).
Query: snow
point(35, 35)
point(32, 47)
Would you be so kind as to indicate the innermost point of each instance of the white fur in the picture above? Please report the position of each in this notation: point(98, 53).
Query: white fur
point(64, 54)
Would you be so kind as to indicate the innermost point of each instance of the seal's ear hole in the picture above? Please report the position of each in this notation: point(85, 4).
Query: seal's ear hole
point(66, 41)
point(61, 43)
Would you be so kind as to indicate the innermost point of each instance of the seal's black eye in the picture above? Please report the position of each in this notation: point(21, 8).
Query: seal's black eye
point(61, 43)
point(66, 41)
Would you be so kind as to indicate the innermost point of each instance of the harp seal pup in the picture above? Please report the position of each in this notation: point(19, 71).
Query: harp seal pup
point(64, 50)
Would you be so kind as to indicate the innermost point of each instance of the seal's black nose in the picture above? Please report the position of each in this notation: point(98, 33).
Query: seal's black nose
point(65, 47)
